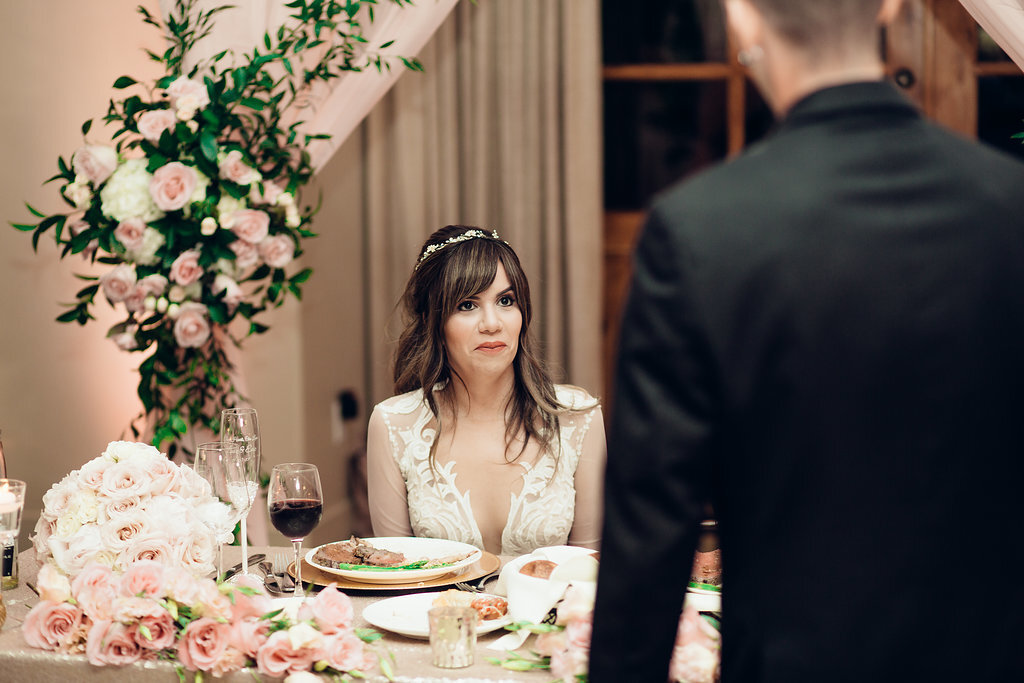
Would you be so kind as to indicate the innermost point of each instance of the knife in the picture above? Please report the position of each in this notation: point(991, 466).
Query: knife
point(253, 559)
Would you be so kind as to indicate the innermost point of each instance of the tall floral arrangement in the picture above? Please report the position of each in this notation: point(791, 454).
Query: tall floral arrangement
point(194, 210)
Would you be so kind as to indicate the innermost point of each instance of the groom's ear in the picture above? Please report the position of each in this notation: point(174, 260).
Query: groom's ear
point(889, 11)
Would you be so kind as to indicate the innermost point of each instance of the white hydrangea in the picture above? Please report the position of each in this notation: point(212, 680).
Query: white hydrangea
point(152, 240)
point(126, 194)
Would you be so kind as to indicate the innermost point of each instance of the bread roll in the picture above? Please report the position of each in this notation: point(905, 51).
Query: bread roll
point(540, 569)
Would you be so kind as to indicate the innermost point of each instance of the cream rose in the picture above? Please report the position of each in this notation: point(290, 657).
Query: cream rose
point(186, 93)
point(191, 328)
point(229, 290)
point(268, 195)
point(251, 225)
point(152, 240)
point(185, 269)
point(118, 283)
point(246, 254)
point(172, 186)
point(154, 122)
point(79, 192)
point(125, 478)
point(95, 162)
point(277, 250)
point(52, 584)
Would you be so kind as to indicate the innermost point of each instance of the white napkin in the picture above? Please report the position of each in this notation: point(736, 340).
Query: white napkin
point(531, 598)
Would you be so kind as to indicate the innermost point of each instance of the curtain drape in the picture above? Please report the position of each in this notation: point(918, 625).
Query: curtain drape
point(1004, 21)
point(502, 131)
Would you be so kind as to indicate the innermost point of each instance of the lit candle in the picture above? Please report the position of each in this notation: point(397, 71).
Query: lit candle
point(8, 500)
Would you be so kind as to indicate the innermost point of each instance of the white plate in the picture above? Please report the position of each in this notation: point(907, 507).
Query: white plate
point(407, 615)
point(413, 549)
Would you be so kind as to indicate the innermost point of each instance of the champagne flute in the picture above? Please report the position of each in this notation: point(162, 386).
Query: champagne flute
point(241, 426)
point(295, 503)
point(214, 462)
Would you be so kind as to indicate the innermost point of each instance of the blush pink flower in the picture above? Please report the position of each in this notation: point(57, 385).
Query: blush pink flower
point(144, 577)
point(172, 185)
point(187, 96)
point(185, 270)
point(111, 643)
point(203, 643)
point(250, 605)
point(191, 329)
point(332, 610)
point(95, 162)
point(52, 625)
point(95, 589)
point(159, 632)
point(268, 195)
point(233, 167)
point(344, 651)
point(246, 254)
point(53, 584)
point(277, 251)
point(118, 283)
point(248, 635)
point(154, 122)
point(129, 233)
point(278, 656)
point(251, 225)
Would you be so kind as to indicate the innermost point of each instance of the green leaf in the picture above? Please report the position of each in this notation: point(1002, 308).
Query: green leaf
point(208, 144)
point(254, 103)
point(124, 82)
point(86, 126)
point(24, 227)
point(36, 212)
point(177, 423)
point(302, 276)
point(69, 317)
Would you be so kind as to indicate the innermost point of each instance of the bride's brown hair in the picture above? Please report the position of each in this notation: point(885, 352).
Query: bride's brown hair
point(458, 262)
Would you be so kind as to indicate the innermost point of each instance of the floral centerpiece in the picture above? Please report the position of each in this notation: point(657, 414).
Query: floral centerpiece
point(129, 504)
point(195, 212)
point(563, 645)
point(153, 612)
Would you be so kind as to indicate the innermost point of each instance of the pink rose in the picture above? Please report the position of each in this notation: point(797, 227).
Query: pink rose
point(549, 643)
point(277, 250)
point(151, 285)
point(52, 625)
point(95, 589)
point(248, 635)
point(154, 122)
point(278, 656)
point(203, 643)
point(53, 584)
point(211, 603)
point(185, 270)
point(232, 660)
point(111, 643)
point(129, 233)
point(191, 329)
point(332, 610)
point(144, 577)
point(118, 283)
point(233, 167)
point(577, 633)
point(250, 605)
point(229, 290)
point(172, 185)
point(251, 225)
point(568, 664)
point(161, 630)
point(246, 254)
point(126, 340)
point(188, 95)
point(344, 652)
point(123, 479)
point(95, 162)
point(154, 546)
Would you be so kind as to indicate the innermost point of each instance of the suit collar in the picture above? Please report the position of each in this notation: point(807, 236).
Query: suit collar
point(868, 97)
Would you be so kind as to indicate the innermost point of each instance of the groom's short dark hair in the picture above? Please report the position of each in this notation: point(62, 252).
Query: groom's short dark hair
point(824, 25)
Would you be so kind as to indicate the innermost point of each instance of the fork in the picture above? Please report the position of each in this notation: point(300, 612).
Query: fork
point(284, 579)
point(476, 585)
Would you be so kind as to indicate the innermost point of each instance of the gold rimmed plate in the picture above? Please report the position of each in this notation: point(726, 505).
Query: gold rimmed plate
point(414, 549)
point(487, 564)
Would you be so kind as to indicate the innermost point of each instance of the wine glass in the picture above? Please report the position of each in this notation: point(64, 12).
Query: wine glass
point(240, 426)
point(219, 464)
point(295, 503)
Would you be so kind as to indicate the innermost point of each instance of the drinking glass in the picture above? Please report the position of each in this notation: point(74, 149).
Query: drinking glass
point(240, 426)
point(219, 463)
point(295, 503)
point(12, 501)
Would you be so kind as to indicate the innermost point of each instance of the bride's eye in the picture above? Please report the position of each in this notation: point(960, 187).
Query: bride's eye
point(465, 306)
point(506, 300)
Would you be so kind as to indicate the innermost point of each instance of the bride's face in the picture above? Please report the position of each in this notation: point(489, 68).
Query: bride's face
point(482, 334)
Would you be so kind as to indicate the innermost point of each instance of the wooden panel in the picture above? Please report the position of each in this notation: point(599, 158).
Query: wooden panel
point(620, 232)
point(709, 71)
point(904, 48)
point(951, 49)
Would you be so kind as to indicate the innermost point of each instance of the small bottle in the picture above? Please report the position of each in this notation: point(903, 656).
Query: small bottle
point(9, 566)
point(3, 460)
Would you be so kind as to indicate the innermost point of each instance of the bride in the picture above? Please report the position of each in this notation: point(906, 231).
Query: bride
point(479, 445)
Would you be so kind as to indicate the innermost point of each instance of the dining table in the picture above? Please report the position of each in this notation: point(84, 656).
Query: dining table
point(411, 663)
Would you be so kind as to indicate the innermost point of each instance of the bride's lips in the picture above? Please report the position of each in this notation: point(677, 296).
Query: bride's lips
point(491, 346)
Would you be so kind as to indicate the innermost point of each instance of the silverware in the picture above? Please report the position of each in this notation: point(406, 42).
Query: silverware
point(254, 559)
point(476, 585)
point(284, 579)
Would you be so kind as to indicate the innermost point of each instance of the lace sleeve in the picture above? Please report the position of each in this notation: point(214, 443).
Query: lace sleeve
point(389, 511)
point(589, 481)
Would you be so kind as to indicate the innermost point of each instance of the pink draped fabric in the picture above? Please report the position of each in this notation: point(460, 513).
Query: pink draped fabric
point(336, 107)
point(1004, 21)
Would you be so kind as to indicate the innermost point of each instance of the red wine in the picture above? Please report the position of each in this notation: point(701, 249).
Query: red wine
point(296, 518)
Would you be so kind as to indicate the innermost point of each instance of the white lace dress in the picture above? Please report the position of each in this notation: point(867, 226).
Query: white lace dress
point(558, 501)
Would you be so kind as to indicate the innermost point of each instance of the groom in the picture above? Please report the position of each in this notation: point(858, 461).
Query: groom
point(825, 341)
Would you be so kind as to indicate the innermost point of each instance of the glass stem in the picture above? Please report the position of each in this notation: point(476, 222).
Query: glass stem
point(245, 549)
point(299, 590)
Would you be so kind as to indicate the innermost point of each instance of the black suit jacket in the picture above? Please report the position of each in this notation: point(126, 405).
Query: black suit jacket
point(825, 339)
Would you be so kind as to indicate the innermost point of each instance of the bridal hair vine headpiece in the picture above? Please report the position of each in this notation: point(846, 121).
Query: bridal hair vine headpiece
point(472, 234)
